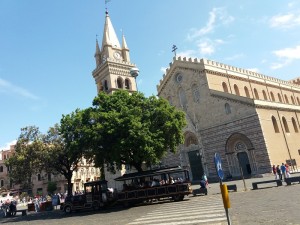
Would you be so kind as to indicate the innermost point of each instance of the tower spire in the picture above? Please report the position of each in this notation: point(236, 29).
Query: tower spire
point(109, 34)
point(97, 53)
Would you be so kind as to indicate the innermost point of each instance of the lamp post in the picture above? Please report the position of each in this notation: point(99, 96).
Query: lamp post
point(134, 72)
point(241, 171)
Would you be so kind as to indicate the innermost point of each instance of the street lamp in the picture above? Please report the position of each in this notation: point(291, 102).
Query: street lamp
point(134, 72)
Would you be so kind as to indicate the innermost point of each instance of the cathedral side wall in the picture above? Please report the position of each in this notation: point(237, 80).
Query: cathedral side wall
point(283, 145)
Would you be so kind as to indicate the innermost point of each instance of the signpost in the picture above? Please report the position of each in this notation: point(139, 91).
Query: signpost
point(223, 187)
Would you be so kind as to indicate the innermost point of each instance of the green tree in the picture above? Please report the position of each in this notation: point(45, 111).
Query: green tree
point(52, 187)
point(132, 129)
point(65, 145)
point(28, 157)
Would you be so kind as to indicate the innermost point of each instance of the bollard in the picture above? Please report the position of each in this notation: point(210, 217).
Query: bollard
point(225, 196)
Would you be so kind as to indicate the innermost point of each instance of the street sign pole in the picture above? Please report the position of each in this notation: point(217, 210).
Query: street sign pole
point(223, 187)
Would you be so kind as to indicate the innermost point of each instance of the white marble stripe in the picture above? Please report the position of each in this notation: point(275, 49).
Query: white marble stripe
point(177, 214)
point(164, 212)
point(184, 222)
point(191, 208)
point(193, 204)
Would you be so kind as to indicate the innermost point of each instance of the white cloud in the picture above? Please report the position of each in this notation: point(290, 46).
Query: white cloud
point(285, 57)
point(188, 54)
point(7, 87)
point(289, 53)
point(7, 145)
point(288, 20)
point(206, 48)
point(278, 65)
point(163, 69)
point(216, 15)
point(292, 4)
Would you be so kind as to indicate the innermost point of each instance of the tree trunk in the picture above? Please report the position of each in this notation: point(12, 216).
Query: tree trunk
point(69, 179)
point(138, 167)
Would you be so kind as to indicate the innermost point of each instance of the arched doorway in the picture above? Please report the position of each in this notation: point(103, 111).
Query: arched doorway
point(240, 155)
point(192, 148)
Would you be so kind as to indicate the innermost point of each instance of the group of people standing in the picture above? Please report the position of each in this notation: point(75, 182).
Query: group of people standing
point(281, 171)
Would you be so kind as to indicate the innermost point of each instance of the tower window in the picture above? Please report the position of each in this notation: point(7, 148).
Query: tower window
point(196, 94)
point(39, 177)
point(256, 94)
point(182, 98)
point(275, 125)
point(286, 99)
point(265, 95)
point(247, 92)
point(279, 98)
point(295, 125)
point(225, 88)
point(1, 183)
point(236, 90)
point(272, 96)
point(286, 127)
point(227, 108)
point(120, 83)
point(105, 85)
point(293, 101)
point(127, 84)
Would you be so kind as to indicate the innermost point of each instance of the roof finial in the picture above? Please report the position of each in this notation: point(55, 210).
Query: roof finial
point(174, 48)
point(106, 11)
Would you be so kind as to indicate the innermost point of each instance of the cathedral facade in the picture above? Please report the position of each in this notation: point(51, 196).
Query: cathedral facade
point(250, 119)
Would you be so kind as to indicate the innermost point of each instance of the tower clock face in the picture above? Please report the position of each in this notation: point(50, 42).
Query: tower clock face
point(117, 55)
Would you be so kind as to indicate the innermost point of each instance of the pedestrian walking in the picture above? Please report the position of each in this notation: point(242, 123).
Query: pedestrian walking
point(279, 172)
point(204, 177)
point(275, 172)
point(287, 169)
point(283, 170)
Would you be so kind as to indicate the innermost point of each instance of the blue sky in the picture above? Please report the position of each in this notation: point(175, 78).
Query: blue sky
point(47, 47)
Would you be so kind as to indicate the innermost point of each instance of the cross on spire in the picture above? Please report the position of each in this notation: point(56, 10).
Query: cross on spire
point(174, 48)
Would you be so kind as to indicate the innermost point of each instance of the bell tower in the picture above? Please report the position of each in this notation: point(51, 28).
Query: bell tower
point(114, 70)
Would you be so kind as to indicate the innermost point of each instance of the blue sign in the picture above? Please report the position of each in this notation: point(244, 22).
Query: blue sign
point(218, 165)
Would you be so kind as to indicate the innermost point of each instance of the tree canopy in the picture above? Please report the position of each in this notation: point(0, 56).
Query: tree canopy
point(132, 129)
point(118, 129)
point(27, 160)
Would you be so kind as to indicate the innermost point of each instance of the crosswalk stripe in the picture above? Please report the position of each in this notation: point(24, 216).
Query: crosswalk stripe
point(185, 222)
point(180, 215)
point(191, 211)
point(167, 212)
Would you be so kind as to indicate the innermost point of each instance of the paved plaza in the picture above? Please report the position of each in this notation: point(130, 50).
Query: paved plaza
point(267, 205)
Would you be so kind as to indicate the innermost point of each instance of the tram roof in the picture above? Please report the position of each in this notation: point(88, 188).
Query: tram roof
point(149, 173)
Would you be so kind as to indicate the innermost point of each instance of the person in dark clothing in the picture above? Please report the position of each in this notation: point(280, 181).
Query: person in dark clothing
point(202, 184)
point(279, 172)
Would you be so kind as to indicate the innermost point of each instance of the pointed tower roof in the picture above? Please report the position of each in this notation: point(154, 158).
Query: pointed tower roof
point(109, 34)
point(97, 48)
point(124, 44)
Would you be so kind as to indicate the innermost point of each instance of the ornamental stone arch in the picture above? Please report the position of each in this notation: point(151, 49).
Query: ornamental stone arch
point(240, 156)
point(192, 156)
point(190, 139)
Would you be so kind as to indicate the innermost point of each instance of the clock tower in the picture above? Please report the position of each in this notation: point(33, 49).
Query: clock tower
point(113, 67)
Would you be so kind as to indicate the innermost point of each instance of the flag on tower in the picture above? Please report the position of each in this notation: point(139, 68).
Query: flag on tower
point(106, 1)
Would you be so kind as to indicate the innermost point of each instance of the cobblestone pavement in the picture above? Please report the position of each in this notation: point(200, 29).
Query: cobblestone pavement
point(267, 205)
